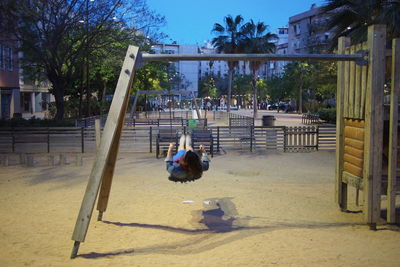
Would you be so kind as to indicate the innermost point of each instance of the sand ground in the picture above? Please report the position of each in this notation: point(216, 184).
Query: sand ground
point(269, 209)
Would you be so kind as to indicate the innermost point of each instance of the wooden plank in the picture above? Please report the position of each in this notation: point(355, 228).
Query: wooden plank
point(98, 132)
point(393, 132)
point(364, 78)
point(353, 169)
point(354, 133)
point(374, 124)
point(357, 93)
point(354, 123)
point(103, 154)
point(352, 73)
point(354, 143)
point(354, 160)
point(359, 153)
point(346, 75)
point(340, 187)
point(110, 166)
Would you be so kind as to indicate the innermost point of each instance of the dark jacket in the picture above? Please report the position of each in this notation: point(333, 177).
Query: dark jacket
point(178, 174)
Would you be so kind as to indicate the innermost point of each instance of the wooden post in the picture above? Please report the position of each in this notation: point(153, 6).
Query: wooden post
point(357, 94)
point(97, 132)
point(341, 188)
point(373, 138)
point(393, 132)
point(351, 86)
point(151, 139)
point(103, 160)
point(48, 140)
point(82, 139)
point(133, 109)
point(110, 167)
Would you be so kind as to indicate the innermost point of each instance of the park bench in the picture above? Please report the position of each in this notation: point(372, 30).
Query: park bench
point(203, 137)
point(164, 138)
point(173, 122)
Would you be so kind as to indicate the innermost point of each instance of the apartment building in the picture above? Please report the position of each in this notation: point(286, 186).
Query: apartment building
point(9, 77)
point(19, 97)
point(188, 70)
point(307, 33)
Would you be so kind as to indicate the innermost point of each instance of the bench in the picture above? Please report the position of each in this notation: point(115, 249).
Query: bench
point(164, 138)
point(203, 137)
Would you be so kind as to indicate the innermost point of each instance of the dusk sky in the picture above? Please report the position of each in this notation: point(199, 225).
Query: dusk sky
point(190, 22)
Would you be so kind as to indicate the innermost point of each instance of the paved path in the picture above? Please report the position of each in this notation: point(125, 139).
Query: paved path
point(282, 118)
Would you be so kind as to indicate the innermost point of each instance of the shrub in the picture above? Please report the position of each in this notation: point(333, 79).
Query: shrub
point(328, 115)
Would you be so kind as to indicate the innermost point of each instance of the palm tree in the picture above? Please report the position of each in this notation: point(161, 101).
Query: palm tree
point(352, 17)
point(257, 41)
point(228, 41)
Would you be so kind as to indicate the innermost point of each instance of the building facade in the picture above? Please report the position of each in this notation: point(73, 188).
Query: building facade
point(277, 67)
point(18, 97)
point(186, 70)
point(307, 33)
point(9, 78)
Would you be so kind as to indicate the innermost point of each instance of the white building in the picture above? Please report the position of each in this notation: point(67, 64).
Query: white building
point(277, 67)
point(187, 69)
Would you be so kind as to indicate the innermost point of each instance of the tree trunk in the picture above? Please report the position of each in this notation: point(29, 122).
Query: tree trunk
point(255, 104)
point(80, 100)
point(59, 97)
point(103, 97)
point(230, 80)
point(301, 98)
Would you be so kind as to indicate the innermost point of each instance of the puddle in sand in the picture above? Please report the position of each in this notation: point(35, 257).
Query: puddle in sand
point(220, 215)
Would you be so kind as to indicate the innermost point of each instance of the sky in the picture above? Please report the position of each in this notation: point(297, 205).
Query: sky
point(190, 21)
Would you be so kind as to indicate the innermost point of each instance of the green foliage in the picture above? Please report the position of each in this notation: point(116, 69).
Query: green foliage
point(207, 87)
point(152, 76)
point(315, 80)
point(60, 39)
point(262, 88)
point(353, 17)
point(242, 84)
point(328, 115)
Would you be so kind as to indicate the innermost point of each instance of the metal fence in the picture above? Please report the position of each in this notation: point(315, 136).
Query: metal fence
point(143, 139)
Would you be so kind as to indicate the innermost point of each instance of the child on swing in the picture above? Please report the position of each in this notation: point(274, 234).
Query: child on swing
point(186, 165)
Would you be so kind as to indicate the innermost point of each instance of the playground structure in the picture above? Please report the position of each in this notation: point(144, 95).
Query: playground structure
point(367, 130)
point(371, 153)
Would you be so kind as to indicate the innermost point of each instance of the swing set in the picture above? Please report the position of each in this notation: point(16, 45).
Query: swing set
point(360, 116)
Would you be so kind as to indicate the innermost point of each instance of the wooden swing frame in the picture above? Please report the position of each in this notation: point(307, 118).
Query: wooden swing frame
point(105, 160)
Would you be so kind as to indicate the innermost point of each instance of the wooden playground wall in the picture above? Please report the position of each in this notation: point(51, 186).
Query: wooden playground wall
point(360, 117)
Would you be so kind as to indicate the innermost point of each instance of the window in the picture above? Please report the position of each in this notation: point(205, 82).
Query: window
point(2, 57)
point(44, 101)
point(25, 102)
point(296, 28)
point(9, 58)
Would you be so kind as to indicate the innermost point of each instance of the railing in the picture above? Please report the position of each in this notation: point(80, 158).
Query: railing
point(149, 116)
point(310, 118)
point(143, 139)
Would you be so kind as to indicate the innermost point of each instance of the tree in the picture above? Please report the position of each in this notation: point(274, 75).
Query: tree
point(257, 41)
point(57, 35)
point(352, 17)
point(228, 41)
point(207, 87)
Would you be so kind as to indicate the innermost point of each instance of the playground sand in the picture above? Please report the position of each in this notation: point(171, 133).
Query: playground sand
point(270, 209)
